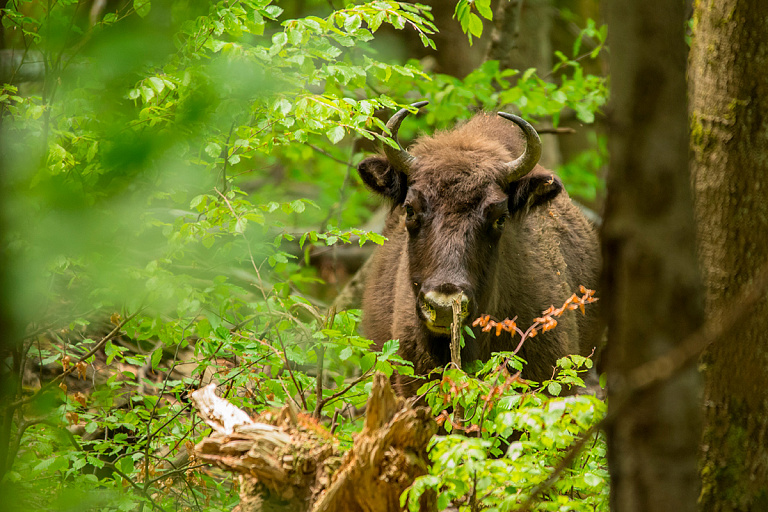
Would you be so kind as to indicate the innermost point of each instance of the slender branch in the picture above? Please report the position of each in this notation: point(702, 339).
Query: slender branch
point(224, 151)
point(458, 411)
point(556, 131)
point(665, 366)
point(337, 160)
point(177, 471)
point(336, 395)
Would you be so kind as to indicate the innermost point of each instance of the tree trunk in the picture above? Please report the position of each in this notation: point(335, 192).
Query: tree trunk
point(520, 39)
point(651, 288)
point(729, 100)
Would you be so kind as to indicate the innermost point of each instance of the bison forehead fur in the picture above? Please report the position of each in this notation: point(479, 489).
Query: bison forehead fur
point(459, 229)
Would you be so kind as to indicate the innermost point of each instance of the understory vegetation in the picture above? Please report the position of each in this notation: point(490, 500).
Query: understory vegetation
point(180, 196)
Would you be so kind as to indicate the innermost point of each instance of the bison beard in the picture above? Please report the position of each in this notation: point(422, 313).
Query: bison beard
point(474, 218)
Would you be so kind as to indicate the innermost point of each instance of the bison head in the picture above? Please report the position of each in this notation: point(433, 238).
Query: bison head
point(460, 196)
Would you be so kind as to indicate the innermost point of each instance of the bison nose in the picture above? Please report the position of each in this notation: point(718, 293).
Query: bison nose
point(437, 309)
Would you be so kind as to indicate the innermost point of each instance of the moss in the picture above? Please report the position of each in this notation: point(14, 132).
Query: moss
point(724, 479)
point(700, 136)
point(734, 108)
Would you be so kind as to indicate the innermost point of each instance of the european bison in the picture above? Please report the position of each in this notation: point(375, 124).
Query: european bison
point(474, 217)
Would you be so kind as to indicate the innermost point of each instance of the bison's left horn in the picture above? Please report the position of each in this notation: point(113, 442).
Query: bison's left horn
point(400, 158)
point(523, 164)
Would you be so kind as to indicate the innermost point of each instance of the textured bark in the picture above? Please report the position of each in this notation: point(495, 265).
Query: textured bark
point(729, 100)
point(506, 28)
point(520, 39)
point(651, 288)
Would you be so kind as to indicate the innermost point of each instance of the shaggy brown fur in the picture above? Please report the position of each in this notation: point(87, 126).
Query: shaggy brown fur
point(454, 239)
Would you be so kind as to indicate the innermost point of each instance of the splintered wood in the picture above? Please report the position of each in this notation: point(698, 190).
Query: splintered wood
point(288, 462)
point(456, 333)
point(458, 412)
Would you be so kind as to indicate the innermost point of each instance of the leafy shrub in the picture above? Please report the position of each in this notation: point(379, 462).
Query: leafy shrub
point(169, 172)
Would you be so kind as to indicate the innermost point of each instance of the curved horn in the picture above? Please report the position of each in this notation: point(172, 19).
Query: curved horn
point(523, 164)
point(400, 158)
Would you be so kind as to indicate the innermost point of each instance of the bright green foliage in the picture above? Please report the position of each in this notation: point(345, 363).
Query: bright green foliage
point(517, 436)
point(471, 23)
point(172, 169)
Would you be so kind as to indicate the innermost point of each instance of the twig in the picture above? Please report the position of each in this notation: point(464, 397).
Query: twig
point(556, 131)
point(137, 487)
point(456, 333)
point(176, 471)
point(337, 160)
point(336, 395)
point(716, 327)
point(224, 151)
point(458, 412)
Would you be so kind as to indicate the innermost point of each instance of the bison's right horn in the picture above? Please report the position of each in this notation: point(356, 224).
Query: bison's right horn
point(400, 158)
point(523, 164)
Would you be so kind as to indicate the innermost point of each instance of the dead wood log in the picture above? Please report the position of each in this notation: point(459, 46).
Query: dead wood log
point(287, 461)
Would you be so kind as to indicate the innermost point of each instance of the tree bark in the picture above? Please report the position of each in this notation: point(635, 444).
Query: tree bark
point(651, 288)
point(729, 100)
point(520, 39)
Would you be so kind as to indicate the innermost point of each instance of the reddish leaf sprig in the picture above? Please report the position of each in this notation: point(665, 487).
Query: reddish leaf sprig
point(544, 323)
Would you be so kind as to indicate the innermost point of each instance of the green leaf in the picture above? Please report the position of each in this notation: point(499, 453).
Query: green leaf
point(213, 150)
point(142, 7)
point(554, 388)
point(240, 225)
point(592, 479)
point(157, 84)
point(280, 39)
point(484, 8)
point(157, 355)
point(352, 23)
point(111, 351)
point(475, 25)
point(335, 134)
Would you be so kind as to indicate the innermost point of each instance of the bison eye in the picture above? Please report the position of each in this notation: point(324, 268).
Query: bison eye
point(411, 217)
point(499, 222)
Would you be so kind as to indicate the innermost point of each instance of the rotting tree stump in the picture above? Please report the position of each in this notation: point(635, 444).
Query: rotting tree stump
point(287, 462)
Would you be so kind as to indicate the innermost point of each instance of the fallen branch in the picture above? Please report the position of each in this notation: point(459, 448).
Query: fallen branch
point(288, 462)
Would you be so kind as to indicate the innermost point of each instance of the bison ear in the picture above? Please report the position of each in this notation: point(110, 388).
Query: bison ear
point(532, 190)
point(377, 173)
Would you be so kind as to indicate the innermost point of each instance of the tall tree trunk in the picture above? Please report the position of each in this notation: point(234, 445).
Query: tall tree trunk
point(651, 288)
point(729, 100)
point(520, 39)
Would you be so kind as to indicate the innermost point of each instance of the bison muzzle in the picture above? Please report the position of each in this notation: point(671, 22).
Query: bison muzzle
point(473, 218)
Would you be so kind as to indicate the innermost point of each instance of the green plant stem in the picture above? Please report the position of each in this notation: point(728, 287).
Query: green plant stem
point(320, 356)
